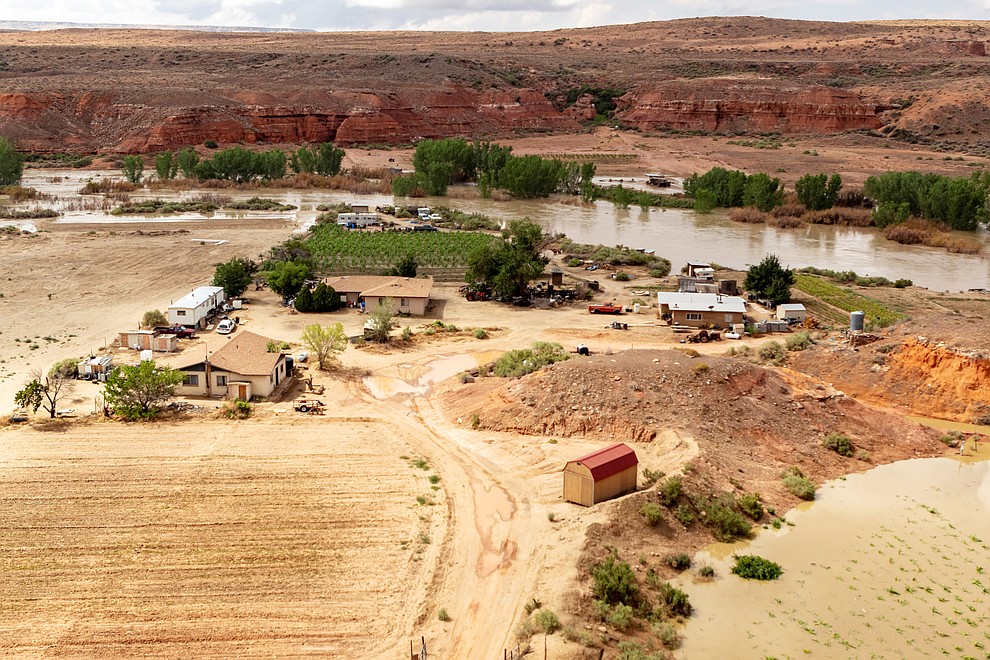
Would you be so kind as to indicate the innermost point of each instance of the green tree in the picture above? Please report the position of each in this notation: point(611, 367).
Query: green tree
point(379, 324)
point(303, 161)
point(726, 186)
point(234, 276)
point(443, 162)
point(326, 298)
point(11, 163)
point(47, 390)
point(304, 300)
point(187, 159)
point(137, 391)
point(328, 159)
point(287, 277)
point(153, 318)
point(768, 279)
point(166, 165)
point(406, 267)
point(510, 264)
point(324, 342)
point(817, 191)
point(133, 168)
point(763, 192)
point(270, 165)
point(587, 182)
point(410, 185)
point(531, 176)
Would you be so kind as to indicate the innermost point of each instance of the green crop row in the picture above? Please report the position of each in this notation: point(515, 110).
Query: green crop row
point(848, 300)
point(334, 248)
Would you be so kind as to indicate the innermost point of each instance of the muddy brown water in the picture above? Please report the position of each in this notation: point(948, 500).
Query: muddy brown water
point(675, 234)
point(893, 562)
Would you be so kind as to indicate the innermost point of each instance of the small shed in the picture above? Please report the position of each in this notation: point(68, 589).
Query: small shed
point(792, 311)
point(601, 475)
point(694, 268)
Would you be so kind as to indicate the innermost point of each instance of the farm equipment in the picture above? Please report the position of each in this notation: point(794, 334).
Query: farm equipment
point(311, 406)
point(476, 292)
point(703, 337)
point(604, 308)
point(618, 325)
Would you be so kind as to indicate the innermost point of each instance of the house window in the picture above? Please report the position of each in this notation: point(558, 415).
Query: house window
point(180, 312)
point(403, 302)
point(728, 318)
point(221, 381)
point(191, 380)
point(693, 316)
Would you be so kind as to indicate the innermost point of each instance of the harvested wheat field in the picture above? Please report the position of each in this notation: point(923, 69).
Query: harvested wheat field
point(218, 539)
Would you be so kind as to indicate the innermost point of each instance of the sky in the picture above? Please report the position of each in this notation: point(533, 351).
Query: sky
point(483, 15)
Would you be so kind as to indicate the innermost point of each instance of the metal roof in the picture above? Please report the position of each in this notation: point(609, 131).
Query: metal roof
point(793, 307)
point(701, 302)
point(195, 297)
point(608, 461)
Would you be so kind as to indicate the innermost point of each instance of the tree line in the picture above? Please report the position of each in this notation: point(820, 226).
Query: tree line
point(441, 163)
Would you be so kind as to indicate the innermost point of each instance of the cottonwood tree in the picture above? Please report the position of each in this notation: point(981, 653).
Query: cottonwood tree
point(325, 342)
point(380, 322)
point(768, 279)
point(47, 390)
point(137, 392)
point(166, 165)
point(234, 276)
point(11, 163)
point(509, 265)
point(133, 168)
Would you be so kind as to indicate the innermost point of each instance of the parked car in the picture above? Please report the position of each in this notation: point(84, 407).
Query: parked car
point(226, 326)
point(605, 308)
point(424, 228)
point(179, 331)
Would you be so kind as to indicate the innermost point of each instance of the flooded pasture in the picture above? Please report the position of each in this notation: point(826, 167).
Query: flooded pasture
point(894, 562)
point(675, 234)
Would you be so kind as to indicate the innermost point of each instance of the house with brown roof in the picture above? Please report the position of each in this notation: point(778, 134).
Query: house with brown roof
point(242, 368)
point(410, 295)
point(601, 475)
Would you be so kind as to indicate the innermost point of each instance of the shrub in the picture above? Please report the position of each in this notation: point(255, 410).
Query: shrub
point(706, 572)
point(407, 333)
point(546, 621)
point(748, 214)
point(799, 341)
point(629, 650)
point(514, 364)
point(753, 567)
point(839, 443)
point(443, 615)
point(798, 484)
point(622, 276)
point(750, 505)
point(210, 144)
point(678, 562)
point(667, 634)
point(480, 333)
point(621, 617)
point(700, 369)
point(669, 490)
point(602, 609)
point(726, 523)
point(652, 513)
point(684, 515)
point(673, 600)
point(575, 262)
point(650, 477)
point(614, 580)
point(772, 352)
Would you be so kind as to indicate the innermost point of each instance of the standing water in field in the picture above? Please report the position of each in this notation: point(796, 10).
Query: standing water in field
point(894, 562)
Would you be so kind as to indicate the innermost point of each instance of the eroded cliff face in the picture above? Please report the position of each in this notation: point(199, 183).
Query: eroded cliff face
point(742, 106)
point(107, 121)
point(53, 122)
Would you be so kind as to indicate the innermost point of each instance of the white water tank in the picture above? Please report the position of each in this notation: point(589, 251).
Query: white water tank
point(147, 355)
point(636, 308)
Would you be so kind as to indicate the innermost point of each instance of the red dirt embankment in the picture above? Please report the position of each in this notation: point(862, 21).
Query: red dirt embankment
point(750, 422)
point(917, 375)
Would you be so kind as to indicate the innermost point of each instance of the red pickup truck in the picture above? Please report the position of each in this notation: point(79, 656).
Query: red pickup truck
point(605, 308)
point(179, 331)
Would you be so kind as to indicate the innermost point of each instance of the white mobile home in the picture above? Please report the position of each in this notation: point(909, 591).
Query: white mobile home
point(357, 219)
point(192, 309)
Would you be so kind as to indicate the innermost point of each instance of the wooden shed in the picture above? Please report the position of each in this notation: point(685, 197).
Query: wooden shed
point(601, 475)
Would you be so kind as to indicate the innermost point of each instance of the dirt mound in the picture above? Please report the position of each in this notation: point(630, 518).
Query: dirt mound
point(750, 422)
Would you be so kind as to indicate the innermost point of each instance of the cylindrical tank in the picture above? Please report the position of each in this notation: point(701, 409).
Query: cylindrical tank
point(147, 355)
point(857, 321)
point(636, 308)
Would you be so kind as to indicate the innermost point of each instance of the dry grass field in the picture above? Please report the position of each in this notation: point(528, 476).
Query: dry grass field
point(216, 539)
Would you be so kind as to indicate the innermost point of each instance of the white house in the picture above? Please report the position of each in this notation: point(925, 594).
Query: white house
point(242, 368)
point(192, 309)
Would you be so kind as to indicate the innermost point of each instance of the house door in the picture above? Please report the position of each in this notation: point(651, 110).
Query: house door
point(242, 391)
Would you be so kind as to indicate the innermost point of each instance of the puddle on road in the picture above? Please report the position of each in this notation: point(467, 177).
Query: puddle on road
point(492, 508)
point(894, 562)
point(384, 387)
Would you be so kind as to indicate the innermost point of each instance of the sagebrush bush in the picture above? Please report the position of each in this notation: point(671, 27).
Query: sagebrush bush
point(678, 562)
point(772, 352)
point(839, 443)
point(621, 617)
point(684, 515)
point(669, 490)
point(798, 484)
point(614, 580)
point(720, 515)
point(546, 621)
point(799, 341)
point(673, 600)
point(652, 513)
point(480, 333)
point(751, 505)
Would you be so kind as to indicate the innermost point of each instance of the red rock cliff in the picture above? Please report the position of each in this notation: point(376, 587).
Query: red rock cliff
point(720, 105)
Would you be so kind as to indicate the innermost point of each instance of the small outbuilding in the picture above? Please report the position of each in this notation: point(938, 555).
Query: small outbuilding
point(601, 475)
point(792, 311)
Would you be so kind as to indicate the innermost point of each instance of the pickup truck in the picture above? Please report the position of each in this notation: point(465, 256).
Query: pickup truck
point(179, 331)
point(605, 308)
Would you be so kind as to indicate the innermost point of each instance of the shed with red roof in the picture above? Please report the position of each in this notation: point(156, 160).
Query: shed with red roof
point(601, 475)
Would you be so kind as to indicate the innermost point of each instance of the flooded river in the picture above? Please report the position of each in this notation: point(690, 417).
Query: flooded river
point(894, 562)
point(675, 234)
